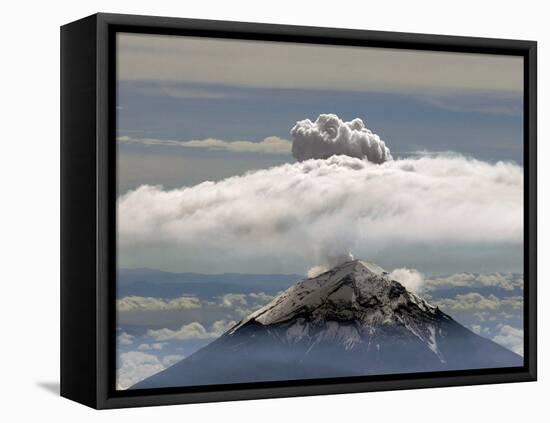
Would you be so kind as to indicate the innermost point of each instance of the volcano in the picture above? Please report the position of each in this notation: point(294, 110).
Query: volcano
point(352, 320)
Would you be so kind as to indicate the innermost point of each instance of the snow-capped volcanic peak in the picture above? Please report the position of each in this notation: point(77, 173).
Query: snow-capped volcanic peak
point(352, 320)
point(355, 290)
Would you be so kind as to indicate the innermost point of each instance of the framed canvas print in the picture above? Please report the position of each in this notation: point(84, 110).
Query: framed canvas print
point(254, 211)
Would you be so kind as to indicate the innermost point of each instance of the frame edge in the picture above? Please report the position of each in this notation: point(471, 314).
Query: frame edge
point(78, 212)
point(102, 398)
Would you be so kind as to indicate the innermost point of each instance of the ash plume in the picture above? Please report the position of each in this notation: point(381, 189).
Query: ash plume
point(329, 135)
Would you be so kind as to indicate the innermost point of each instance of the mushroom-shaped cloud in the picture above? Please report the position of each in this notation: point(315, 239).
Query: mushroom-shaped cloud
point(329, 135)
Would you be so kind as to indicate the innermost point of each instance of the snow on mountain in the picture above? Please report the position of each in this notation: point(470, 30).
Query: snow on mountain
point(347, 287)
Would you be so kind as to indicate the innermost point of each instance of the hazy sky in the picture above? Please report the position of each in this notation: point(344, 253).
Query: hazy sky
point(261, 64)
point(183, 102)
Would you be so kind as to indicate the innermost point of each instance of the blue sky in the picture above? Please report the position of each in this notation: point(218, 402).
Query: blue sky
point(186, 88)
point(490, 130)
point(486, 125)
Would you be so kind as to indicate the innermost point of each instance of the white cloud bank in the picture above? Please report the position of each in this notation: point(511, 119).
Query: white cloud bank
point(329, 135)
point(510, 338)
point(474, 301)
point(321, 209)
point(136, 365)
point(411, 279)
point(417, 282)
point(269, 145)
point(507, 281)
point(330, 258)
point(125, 339)
point(150, 303)
point(194, 330)
point(156, 346)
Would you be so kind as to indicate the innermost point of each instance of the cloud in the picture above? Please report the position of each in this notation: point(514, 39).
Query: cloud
point(480, 330)
point(193, 330)
point(455, 280)
point(411, 279)
point(232, 300)
point(221, 326)
point(164, 313)
point(484, 314)
point(125, 339)
point(241, 305)
point(510, 338)
point(252, 299)
point(172, 359)
point(476, 301)
point(329, 135)
point(269, 145)
point(318, 209)
point(497, 279)
point(332, 255)
point(150, 303)
point(507, 281)
point(154, 346)
point(136, 366)
point(317, 270)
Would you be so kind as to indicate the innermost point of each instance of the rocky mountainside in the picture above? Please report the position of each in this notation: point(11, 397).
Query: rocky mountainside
point(352, 320)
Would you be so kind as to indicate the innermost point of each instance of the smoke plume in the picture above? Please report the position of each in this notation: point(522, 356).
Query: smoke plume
point(329, 135)
point(411, 279)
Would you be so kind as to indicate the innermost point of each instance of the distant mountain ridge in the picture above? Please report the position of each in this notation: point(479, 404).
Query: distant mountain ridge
point(352, 320)
point(157, 283)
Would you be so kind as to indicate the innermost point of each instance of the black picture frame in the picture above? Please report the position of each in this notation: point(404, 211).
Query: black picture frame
point(88, 198)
